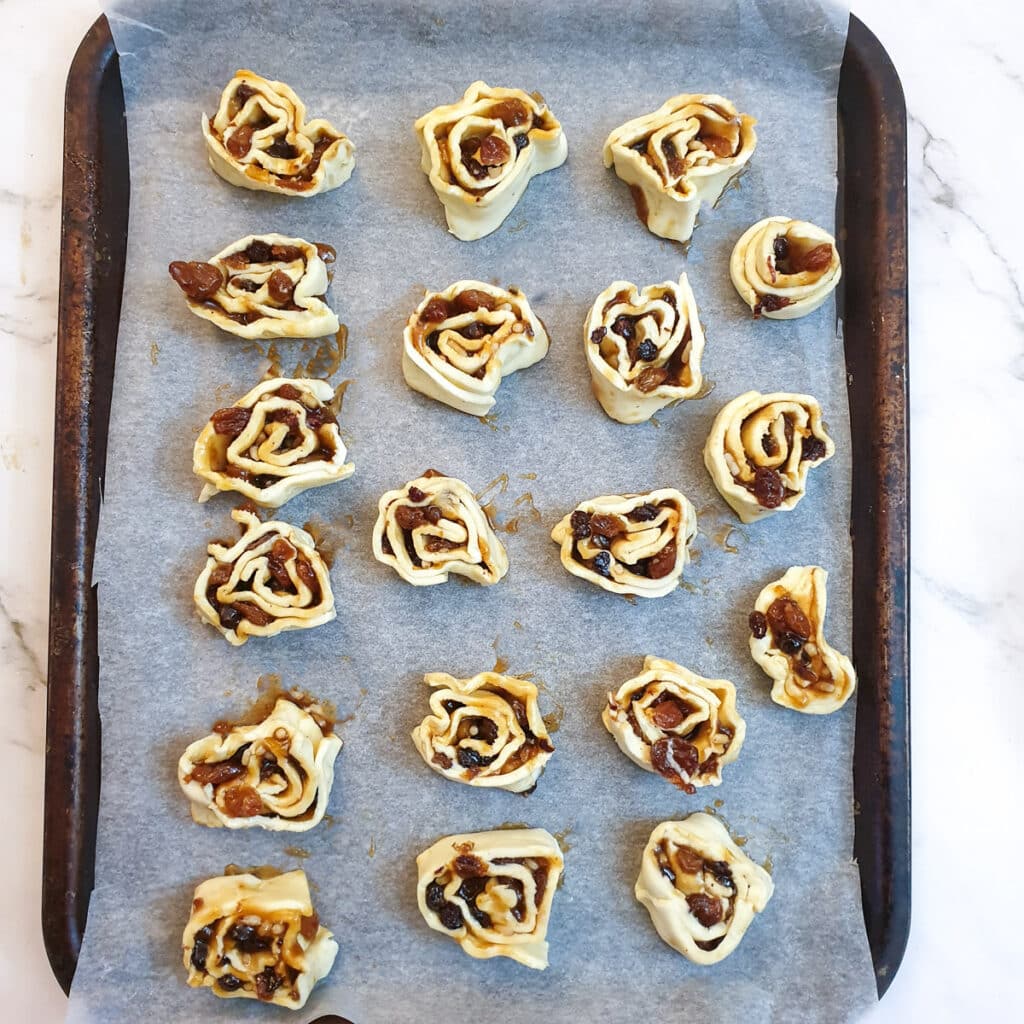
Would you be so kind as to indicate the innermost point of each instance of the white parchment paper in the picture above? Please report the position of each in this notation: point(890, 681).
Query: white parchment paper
point(372, 68)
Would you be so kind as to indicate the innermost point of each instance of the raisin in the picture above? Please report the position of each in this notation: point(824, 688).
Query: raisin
point(243, 92)
point(240, 141)
point(780, 250)
point(214, 773)
point(268, 981)
point(522, 141)
point(625, 327)
point(493, 152)
point(242, 802)
point(805, 671)
point(707, 909)
point(282, 149)
point(651, 378)
point(812, 449)
point(256, 615)
point(676, 166)
point(511, 112)
point(597, 334)
point(306, 573)
point(409, 518)
point(816, 260)
point(661, 564)
point(229, 983)
point(451, 916)
point(647, 351)
point(769, 445)
point(688, 860)
point(280, 287)
point(433, 514)
point(247, 938)
point(309, 926)
point(470, 758)
point(672, 755)
point(201, 950)
point(451, 705)
point(644, 514)
point(580, 523)
point(786, 616)
point(721, 871)
point(289, 392)
point(718, 145)
point(789, 643)
point(474, 331)
point(259, 251)
point(768, 489)
point(603, 564)
point(277, 562)
point(606, 525)
point(758, 624)
point(230, 421)
point(472, 299)
point(435, 896)
point(469, 866)
point(286, 253)
point(229, 618)
point(668, 714)
point(771, 303)
point(415, 494)
point(199, 281)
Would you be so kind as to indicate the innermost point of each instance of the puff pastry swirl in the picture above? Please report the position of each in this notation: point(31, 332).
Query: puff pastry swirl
point(260, 139)
point(492, 892)
point(644, 348)
point(252, 938)
point(460, 342)
point(433, 527)
point(275, 442)
point(701, 890)
point(680, 155)
point(262, 286)
point(276, 774)
point(671, 721)
point(783, 268)
point(485, 731)
point(481, 152)
point(787, 640)
point(629, 543)
point(270, 580)
point(761, 448)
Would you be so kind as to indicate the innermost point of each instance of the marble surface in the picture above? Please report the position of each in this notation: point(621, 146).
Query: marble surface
point(964, 79)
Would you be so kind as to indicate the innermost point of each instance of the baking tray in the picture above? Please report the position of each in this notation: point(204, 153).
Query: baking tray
point(872, 237)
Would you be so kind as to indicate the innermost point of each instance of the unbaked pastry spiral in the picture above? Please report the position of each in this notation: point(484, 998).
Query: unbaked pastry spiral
point(270, 580)
point(629, 543)
point(643, 348)
point(260, 139)
point(492, 892)
point(673, 722)
point(262, 286)
point(761, 448)
point(783, 268)
point(253, 938)
point(276, 774)
point(481, 152)
point(485, 731)
point(701, 890)
point(275, 442)
point(434, 526)
point(460, 342)
point(682, 154)
point(787, 640)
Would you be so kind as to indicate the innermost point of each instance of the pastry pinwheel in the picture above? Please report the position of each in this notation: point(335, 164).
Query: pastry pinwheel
point(629, 543)
point(274, 774)
point(671, 721)
point(701, 890)
point(761, 448)
point(682, 154)
point(260, 139)
point(485, 731)
point(253, 938)
point(481, 152)
point(643, 348)
point(492, 892)
point(433, 527)
point(784, 269)
point(787, 640)
point(262, 286)
point(270, 580)
point(275, 442)
point(460, 343)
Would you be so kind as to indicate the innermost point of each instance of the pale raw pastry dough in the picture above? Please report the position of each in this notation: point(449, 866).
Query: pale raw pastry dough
point(644, 348)
point(252, 938)
point(492, 892)
point(276, 774)
point(485, 731)
point(701, 890)
point(270, 580)
point(481, 152)
point(783, 268)
point(760, 449)
point(460, 343)
point(434, 526)
point(808, 675)
point(289, 443)
point(629, 543)
point(270, 286)
point(260, 139)
point(673, 722)
point(682, 154)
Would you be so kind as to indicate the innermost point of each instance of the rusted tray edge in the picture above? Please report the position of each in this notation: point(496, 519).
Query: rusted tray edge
point(93, 238)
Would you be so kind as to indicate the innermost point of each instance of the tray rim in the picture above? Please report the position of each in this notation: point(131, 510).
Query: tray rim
point(72, 743)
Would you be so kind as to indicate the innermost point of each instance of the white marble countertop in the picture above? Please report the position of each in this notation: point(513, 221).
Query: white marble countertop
point(963, 74)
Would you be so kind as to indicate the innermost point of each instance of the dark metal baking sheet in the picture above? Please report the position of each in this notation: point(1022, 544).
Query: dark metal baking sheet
point(872, 219)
